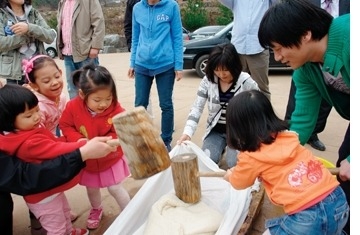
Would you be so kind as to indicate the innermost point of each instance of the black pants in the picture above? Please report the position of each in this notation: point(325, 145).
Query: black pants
point(6, 216)
point(19, 82)
point(324, 112)
point(344, 152)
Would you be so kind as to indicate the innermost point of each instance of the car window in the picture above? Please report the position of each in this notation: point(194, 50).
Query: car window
point(208, 29)
point(227, 28)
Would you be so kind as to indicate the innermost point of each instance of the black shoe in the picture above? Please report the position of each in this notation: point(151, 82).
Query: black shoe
point(317, 144)
point(168, 147)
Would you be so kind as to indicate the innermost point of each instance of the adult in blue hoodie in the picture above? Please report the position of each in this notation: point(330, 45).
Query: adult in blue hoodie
point(156, 52)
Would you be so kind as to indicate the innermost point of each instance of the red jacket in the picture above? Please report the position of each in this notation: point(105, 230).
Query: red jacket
point(77, 122)
point(36, 146)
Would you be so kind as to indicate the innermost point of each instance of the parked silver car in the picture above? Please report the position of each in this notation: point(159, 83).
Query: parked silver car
point(51, 48)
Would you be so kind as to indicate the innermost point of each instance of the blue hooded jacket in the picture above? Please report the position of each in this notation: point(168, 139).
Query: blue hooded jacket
point(157, 40)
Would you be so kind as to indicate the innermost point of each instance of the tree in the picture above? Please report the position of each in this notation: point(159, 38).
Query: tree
point(194, 14)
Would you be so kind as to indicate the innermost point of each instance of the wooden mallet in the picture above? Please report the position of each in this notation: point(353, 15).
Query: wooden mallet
point(141, 142)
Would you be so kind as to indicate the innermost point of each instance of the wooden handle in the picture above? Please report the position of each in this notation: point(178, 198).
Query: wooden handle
point(212, 174)
point(334, 171)
point(113, 142)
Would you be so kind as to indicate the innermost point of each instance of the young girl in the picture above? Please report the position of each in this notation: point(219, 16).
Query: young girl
point(89, 115)
point(22, 135)
point(223, 80)
point(45, 79)
point(293, 178)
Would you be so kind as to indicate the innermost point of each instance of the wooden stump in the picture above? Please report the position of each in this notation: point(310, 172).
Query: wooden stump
point(141, 142)
point(185, 171)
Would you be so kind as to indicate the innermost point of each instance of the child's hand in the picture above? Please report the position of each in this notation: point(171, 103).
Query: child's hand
point(183, 138)
point(82, 139)
point(228, 173)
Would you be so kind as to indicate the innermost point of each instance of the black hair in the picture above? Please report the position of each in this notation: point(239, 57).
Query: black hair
point(224, 56)
point(38, 63)
point(251, 121)
point(286, 22)
point(92, 78)
point(5, 3)
point(14, 100)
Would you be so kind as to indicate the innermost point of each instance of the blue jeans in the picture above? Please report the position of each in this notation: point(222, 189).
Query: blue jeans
point(70, 67)
point(165, 85)
point(214, 144)
point(327, 217)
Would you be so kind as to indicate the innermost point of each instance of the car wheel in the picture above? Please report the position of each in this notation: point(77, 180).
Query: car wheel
point(201, 65)
point(51, 52)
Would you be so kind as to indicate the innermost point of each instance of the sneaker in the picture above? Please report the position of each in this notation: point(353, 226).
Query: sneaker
point(93, 221)
point(79, 231)
point(168, 147)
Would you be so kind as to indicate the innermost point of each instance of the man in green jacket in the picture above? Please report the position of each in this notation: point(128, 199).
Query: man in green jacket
point(319, 52)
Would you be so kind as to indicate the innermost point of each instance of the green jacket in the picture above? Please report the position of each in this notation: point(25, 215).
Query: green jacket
point(311, 86)
point(39, 32)
point(88, 28)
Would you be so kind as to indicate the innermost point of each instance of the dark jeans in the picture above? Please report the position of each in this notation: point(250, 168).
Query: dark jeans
point(344, 152)
point(165, 86)
point(6, 210)
point(70, 67)
point(19, 82)
point(324, 112)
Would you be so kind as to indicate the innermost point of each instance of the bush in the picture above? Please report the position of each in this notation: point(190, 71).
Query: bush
point(194, 15)
point(226, 15)
point(52, 22)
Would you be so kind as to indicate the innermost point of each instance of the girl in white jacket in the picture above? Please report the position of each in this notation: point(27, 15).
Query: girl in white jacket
point(224, 79)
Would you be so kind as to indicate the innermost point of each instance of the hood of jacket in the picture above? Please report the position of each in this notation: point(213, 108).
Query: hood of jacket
point(12, 141)
point(27, 9)
point(281, 153)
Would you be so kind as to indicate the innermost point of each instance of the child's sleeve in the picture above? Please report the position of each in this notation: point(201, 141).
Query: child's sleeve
point(67, 124)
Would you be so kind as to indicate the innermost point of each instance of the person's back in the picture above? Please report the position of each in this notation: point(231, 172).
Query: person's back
point(292, 176)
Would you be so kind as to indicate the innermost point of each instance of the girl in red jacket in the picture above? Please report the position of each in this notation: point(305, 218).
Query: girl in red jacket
point(22, 135)
point(89, 115)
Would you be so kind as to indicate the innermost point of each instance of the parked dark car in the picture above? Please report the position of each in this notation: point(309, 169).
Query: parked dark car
point(205, 31)
point(196, 51)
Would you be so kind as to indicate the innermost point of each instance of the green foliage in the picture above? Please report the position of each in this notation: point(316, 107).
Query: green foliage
point(52, 4)
point(194, 15)
point(225, 17)
point(52, 22)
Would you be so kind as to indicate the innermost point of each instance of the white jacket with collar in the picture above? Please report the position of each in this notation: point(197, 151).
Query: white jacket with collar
point(209, 91)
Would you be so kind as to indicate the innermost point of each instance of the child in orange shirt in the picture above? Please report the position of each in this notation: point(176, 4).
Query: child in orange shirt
point(293, 178)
